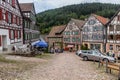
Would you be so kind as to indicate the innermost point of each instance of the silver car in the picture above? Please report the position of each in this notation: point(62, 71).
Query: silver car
point(96, 55)
point(79, 52)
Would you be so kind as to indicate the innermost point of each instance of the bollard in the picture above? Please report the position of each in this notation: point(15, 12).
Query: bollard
point(99, 63)
point(106, 66)
point(94, 60)
point(119, 74)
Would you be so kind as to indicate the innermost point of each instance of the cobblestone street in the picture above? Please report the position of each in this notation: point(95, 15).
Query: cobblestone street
point(67, 66)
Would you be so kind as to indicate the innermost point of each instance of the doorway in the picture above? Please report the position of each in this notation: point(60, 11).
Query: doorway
point(4, 42)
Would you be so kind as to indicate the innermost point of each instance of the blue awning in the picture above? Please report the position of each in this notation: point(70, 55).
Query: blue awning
point(40, 44)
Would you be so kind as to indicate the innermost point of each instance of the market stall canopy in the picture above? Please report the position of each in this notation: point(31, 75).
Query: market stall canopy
point(69, 46)
point(40, 44)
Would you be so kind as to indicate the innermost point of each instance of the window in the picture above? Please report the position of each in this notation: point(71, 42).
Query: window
point(68, 39)
point(26, 36)
point(9, 18)
point(91, 22)
point(12, 32)
point(25, 24)
point(19, 34)
point(73, 39)
point(118, 47)
point(70, 27)
point(77, 39)
point(89, 52)
point(111, 28)
point(111, 37)
point(76, 32)
point(111, 47)
point(67, 33)
point(118, 28)
point(118, 17)
point(10, 2)
point(84, 51)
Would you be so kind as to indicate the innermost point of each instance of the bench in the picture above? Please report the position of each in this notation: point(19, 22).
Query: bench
point(111, 66)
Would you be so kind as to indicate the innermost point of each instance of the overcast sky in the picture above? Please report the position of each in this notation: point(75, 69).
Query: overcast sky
point(42, 5)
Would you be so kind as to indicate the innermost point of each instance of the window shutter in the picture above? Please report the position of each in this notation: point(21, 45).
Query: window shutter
point(16, 20)
point(20, 33)
point(0, 40)
point(12, 20)
point(9, 34)
point(1, 14)
point(20, 21)
point(6, 15)
point(16, 34)
point(118, 17)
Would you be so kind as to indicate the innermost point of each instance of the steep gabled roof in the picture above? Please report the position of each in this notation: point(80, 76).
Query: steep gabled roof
point(79, 23)
point(19, 8)
point(57, 31)
point(114, 16)
point(26, 6)
point(103, 20)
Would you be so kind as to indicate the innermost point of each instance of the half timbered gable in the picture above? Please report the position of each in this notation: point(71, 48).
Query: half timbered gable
point(113, 33)
point(72, 34)
point(94, 32)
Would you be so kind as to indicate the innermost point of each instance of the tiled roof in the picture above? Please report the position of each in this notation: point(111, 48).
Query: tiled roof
point(57, 31)
point(79, 23)
point(26, 6)
point(101, 19)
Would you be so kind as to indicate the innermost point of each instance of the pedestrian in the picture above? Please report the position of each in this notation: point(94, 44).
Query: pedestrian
point(107, 53)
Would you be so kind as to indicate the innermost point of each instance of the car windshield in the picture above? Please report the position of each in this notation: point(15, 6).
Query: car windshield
point(103, 54)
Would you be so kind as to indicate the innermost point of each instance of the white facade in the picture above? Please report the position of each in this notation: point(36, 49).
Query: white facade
point(10, 25)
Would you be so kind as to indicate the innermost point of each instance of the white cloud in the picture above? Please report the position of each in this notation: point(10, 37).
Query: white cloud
point(42, 5)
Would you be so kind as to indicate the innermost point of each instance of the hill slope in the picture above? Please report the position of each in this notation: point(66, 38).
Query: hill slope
point(62, 15)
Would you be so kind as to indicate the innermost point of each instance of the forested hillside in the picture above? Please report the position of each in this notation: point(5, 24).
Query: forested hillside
point(62, 15)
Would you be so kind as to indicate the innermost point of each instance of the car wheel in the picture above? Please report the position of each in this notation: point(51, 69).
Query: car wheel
point(105, 60)
point(79, 55)
point(85, 58)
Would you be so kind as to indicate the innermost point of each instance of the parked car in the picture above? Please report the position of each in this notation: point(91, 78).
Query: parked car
point(96, 55)
point(79, 52)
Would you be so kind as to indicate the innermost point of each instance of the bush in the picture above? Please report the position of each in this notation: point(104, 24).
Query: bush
point(84, 47)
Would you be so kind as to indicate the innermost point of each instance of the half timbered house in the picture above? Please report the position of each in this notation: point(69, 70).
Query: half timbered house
point(55, 37)
point(94, 32)
point(72, 35)
point(113, 34)
point(10, 24)
point(30, 30)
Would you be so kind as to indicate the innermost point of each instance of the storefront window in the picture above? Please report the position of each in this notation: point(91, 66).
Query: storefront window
point(111, 47)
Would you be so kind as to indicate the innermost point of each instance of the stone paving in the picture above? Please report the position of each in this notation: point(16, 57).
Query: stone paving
point(67, 66)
